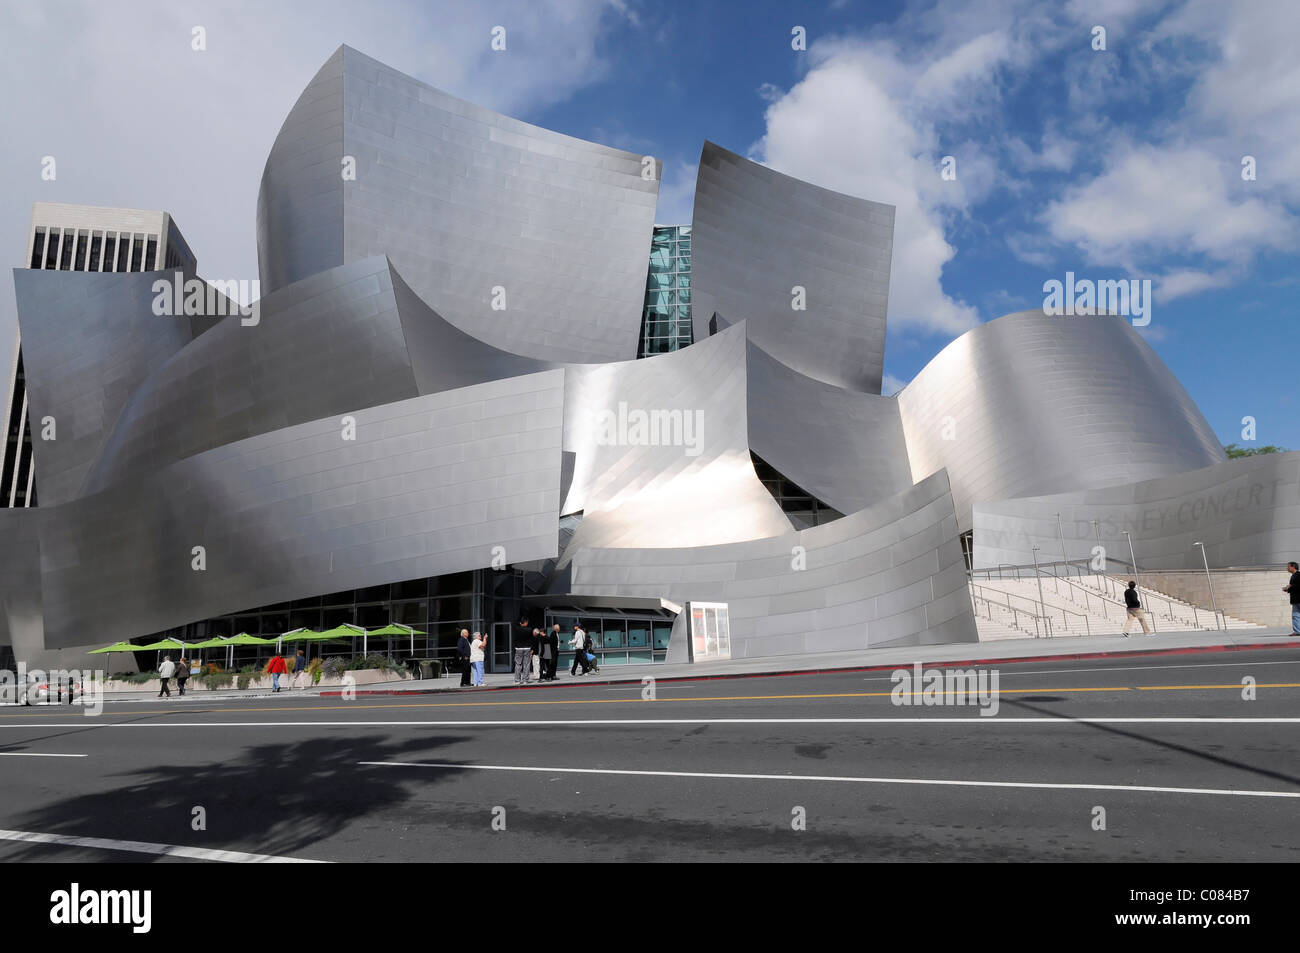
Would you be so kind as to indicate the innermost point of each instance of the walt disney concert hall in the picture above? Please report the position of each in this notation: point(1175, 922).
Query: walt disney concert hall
point(483, 384)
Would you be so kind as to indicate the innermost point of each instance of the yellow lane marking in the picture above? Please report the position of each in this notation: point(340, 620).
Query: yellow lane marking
point(624, 701)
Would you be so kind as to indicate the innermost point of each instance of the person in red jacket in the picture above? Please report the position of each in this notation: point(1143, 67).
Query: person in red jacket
point(276, 668)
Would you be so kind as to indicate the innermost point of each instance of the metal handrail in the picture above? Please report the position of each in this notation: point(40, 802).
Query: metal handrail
point(1015, 616)
point(1087, 623)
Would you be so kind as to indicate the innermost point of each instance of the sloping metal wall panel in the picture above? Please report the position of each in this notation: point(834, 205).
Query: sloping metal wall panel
point(300, 201)
point(429, 486)
point(1031, 404)
point(329, 344)
point(638, 494)
point(890, 574)
point(756, 234)
point(844, 447)
point(462, 200)
point(89, 340)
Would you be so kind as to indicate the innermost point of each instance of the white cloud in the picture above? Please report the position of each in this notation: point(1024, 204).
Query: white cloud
point(1154, 200)
point(1179, 284)
point(891, 385)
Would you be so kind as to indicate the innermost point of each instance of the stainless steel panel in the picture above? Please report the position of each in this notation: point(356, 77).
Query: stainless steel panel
point(756, 234)
point(429, 486)
point(870, 579)
point(462, 200)
point(1032, 404)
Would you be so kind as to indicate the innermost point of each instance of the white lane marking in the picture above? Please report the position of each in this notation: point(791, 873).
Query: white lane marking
point(143, 847)
point(37, 754)
point(522, 723)
point(1070, 671)
point(830, 777)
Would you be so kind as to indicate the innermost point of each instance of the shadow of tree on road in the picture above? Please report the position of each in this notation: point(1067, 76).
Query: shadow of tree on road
point(274, 798)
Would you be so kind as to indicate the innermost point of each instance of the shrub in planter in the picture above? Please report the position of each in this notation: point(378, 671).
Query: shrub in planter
point(333, 667)
point(217, 679)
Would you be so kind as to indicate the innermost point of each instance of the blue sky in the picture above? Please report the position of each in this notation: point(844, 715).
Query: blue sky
point(1114, 164)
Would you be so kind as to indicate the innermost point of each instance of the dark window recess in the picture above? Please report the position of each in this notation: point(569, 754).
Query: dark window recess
point(110, 256)
point(38, 248)
point(52, 250)
point(137, 254)
point(65, 255)
point(800, 507)
point(96, 251)
point(151, 254)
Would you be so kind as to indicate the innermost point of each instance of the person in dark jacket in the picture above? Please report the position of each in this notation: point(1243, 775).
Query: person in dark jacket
point(1293, 587)
point(299, 670)
point(182, 674)
point(1133, 604)
point(463, 653)
point(553, 656)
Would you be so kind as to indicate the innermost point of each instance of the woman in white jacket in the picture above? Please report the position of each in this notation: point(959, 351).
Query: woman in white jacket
point(477, 653)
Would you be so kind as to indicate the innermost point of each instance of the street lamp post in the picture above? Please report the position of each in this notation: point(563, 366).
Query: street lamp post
point(1042, 606)
point(1213, 602)
point(1060, 534)
point(1133, 560)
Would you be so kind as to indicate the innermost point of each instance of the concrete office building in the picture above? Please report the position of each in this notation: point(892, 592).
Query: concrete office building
point(485, 385)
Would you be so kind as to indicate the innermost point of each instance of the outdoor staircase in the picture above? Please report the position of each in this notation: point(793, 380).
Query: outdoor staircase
point(1008, 607)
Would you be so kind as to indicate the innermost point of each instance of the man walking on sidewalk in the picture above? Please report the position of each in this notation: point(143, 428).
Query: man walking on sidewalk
point(1293, 587)
point(579, 644)
point(1135, 611)
point(165, 672)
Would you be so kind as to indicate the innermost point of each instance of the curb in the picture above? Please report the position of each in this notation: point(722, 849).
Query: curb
point(785, 673)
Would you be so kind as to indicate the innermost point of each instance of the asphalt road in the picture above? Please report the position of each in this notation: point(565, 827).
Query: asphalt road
point(709, 770)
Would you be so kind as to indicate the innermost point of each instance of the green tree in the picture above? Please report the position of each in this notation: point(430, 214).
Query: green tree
point(1234, 452)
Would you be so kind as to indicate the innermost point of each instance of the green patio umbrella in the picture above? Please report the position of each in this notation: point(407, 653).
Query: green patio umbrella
point(392, 629)
point(115, 647)
point(162, 644)
point(243, 638)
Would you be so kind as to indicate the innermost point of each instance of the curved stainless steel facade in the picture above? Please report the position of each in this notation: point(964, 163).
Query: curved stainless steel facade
point(1246, 512)
point(844, 447)
point(463, 201)
point(1031, 404)
point(698, 491)
point(891, 574)
point(428, 486)
point(532, 430)
point(757, 234)
point(89, 340)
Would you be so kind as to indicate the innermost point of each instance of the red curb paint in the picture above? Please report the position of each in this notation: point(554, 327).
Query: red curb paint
point(1071, 657)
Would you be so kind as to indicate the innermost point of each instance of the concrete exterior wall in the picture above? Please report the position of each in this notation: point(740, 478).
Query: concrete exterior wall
point(1246, 512)
point(1252, 594)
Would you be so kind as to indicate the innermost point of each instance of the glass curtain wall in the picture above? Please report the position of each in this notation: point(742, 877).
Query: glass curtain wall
point(666, 318)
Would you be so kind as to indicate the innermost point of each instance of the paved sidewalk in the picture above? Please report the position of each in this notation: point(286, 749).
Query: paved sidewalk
point(983, 653)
